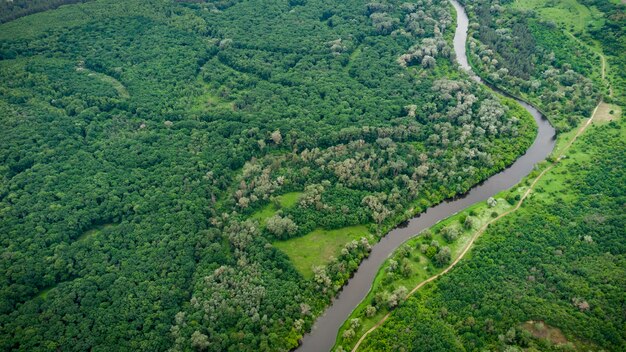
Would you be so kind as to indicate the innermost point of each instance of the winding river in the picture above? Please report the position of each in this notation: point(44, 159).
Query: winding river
point(322, 336)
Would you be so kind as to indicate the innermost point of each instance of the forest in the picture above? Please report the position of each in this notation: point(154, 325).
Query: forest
point(12, 9)
point(549, 277)
point(142, 139)
point(535, 59)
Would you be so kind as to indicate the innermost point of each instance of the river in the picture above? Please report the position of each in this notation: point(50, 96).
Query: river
point(324, 332)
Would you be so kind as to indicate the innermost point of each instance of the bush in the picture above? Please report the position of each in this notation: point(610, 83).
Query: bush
point(469, 223)
point(370, 311)
point(450, 234)
point(443, 257)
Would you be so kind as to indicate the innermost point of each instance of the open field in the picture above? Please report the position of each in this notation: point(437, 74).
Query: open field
point(571, 14)
point(284, 201)
point(608, 112)
point(317, 247)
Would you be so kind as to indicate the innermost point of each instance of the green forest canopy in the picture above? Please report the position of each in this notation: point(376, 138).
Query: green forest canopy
point(141, 137)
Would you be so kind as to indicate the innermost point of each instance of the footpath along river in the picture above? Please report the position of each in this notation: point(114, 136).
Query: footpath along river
point(324, 332)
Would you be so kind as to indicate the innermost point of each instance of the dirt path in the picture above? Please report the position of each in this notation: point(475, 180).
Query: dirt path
point(602, 60)
point(486, 225)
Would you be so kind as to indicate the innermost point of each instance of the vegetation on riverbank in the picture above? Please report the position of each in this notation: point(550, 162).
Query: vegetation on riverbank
point(401, 331)
point(527, 267)
point(179, 122)
point(419, 259)
point(531, 57)
point(563, 189)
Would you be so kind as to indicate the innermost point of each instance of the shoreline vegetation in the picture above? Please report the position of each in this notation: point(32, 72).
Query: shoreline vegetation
point(549, 188)
point(525, 188)
point(182, 123)
point(208, 175)
point(361, 323)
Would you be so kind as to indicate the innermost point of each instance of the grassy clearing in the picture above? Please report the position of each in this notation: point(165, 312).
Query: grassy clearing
point(570, 14)
point(117, 85)
point(607, 112)
point(421, 266)
point(209, 99)
point(288, 200)
point(319, 246)
point(283, 201)
point(353, 56)
point(44, 293)
point(541, 330)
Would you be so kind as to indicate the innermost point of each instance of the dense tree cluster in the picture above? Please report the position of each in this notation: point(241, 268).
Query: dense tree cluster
point(245, 302)
point(12, 9)
point(360, 178)
point(141, 135)
point(330, 278)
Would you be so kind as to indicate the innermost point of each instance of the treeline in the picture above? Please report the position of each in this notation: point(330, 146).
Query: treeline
point(556, 264)
point(12, 9)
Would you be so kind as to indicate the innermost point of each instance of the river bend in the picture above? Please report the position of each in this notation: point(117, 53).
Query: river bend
point(324, 332)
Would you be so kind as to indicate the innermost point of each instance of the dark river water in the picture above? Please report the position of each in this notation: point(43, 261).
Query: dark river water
point(322, 336)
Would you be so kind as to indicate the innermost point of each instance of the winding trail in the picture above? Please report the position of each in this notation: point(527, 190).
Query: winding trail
point(324, 332)
point(602, 60)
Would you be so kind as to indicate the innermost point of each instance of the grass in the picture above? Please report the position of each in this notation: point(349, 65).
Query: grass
point(284, 201)
point(541, 330)
point(288, 200)
point(571, 14)
point(608, 112)
point(422, 267)
point(209, 98)
point(43, 294)
point(319, 246)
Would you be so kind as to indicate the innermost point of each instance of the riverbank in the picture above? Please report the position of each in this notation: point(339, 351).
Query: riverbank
point(526, 192)
point(371, 323)
point(324, 332)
